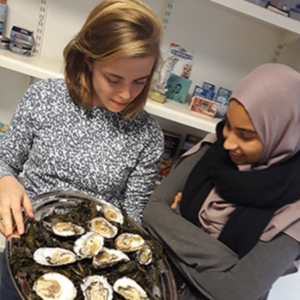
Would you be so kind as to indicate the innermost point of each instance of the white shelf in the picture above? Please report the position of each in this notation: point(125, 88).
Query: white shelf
point(40, 67)
point(44, 67)
point(35, 65)
point(262, 14)
point(180, 113)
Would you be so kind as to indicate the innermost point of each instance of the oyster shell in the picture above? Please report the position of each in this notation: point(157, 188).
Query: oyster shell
point(112, 214)
point(108, 257)
point(88, 245)
point(130, 289)
point(54, 256)
point(103, 227)
point(96, 288)
point(144, 255)
point(129, 242)
point(54, 286)
point(67, 229)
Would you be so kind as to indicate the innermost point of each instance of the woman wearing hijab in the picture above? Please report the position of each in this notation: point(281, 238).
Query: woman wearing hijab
point(236, 228)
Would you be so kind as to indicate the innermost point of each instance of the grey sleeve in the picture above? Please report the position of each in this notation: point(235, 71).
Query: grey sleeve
point(251, 277)
point(184, 238)
point(212, 267)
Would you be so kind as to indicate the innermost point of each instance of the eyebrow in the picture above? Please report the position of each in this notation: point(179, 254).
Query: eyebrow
point(240, 128)
point(120, 77)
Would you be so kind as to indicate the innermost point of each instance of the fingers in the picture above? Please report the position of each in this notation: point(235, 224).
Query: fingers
point(7, 220)
point(18, 218)
point(177, 198)
point(28, 207)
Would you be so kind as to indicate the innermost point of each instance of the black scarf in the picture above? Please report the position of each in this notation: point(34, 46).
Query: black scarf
point(257, 194)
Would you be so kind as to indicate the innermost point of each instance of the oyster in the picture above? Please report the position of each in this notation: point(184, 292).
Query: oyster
point(129, 242)
point(130, 289)
point(88, 245)
point(96, 288)
point(108, 257)
point(54, 256)
point(144, 255)
point(103, 227)
point(54, 286)
point(67, 229)
point(112, 214)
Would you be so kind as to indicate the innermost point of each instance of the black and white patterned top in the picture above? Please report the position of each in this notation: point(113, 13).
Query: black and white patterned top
point(95, 152)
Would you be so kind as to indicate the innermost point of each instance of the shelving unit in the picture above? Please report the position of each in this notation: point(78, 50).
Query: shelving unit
point(261, 14)
point(43, 66)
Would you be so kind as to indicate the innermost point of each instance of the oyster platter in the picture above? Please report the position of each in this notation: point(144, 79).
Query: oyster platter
point(79, 247)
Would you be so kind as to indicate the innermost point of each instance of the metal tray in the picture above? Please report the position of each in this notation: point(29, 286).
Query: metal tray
point(61, 202)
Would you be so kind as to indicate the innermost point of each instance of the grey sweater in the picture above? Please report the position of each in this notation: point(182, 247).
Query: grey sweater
point(209, 265)
point(95, 152)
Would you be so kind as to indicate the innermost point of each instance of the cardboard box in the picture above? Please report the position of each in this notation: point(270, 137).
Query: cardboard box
point(203, 106)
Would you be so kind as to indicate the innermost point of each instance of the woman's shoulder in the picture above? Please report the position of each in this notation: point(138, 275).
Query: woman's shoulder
point(49, 84)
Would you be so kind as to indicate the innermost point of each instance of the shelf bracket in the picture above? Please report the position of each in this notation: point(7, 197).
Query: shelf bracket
point(39, 33)
point(287, 38)
point(167, 13)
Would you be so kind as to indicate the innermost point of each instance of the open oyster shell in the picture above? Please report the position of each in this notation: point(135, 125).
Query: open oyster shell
point(67, 229)
point(103, 227)
point(88, 245)
point(54, 286)
point(108, 257)
point(112, 214)
point(129, 242)
point(144, 255)
point(96, 288)
point(130, 289)
point(54, 256)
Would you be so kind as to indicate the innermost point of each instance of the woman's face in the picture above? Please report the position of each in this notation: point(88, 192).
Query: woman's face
point(118, 82)
point(241, 140)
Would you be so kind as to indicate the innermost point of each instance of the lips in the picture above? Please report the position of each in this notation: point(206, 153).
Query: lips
point(119, 103)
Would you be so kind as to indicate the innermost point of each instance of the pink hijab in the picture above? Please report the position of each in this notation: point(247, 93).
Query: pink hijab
point(271, 96)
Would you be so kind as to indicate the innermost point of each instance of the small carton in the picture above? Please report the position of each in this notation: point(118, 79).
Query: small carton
point(203, 106)
point(222, 98)
point(203, 93)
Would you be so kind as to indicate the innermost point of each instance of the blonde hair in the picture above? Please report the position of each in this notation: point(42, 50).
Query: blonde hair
point(114, 29)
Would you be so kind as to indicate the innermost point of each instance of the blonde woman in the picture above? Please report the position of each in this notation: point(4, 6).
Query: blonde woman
point(88, 132)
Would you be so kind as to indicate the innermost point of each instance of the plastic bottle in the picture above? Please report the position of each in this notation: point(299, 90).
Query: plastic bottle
point(3, 9)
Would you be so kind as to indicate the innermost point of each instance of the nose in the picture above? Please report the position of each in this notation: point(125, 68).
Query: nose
point(125, 92)
point(230, 142)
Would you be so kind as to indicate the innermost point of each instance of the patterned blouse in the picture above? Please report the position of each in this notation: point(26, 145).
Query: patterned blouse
point(94, 151)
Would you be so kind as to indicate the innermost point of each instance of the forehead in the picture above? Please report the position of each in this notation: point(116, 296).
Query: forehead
point(128, 67)
point(238, 116)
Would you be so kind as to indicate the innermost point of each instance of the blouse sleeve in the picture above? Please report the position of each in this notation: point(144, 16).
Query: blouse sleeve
point(141, 180)
point(212, 267)
point(15, 146)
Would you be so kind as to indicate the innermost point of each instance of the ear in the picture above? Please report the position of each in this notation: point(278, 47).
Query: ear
point(89, 62)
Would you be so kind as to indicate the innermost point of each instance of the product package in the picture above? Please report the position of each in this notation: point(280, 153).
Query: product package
point(183, 67)
point(207, 91)
point(172, 141)
point(178, 88)
point(190, 141)
point(3, 10)
point(21, 41)
point(3, 128)
point(204, 106)
point(222, 99)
